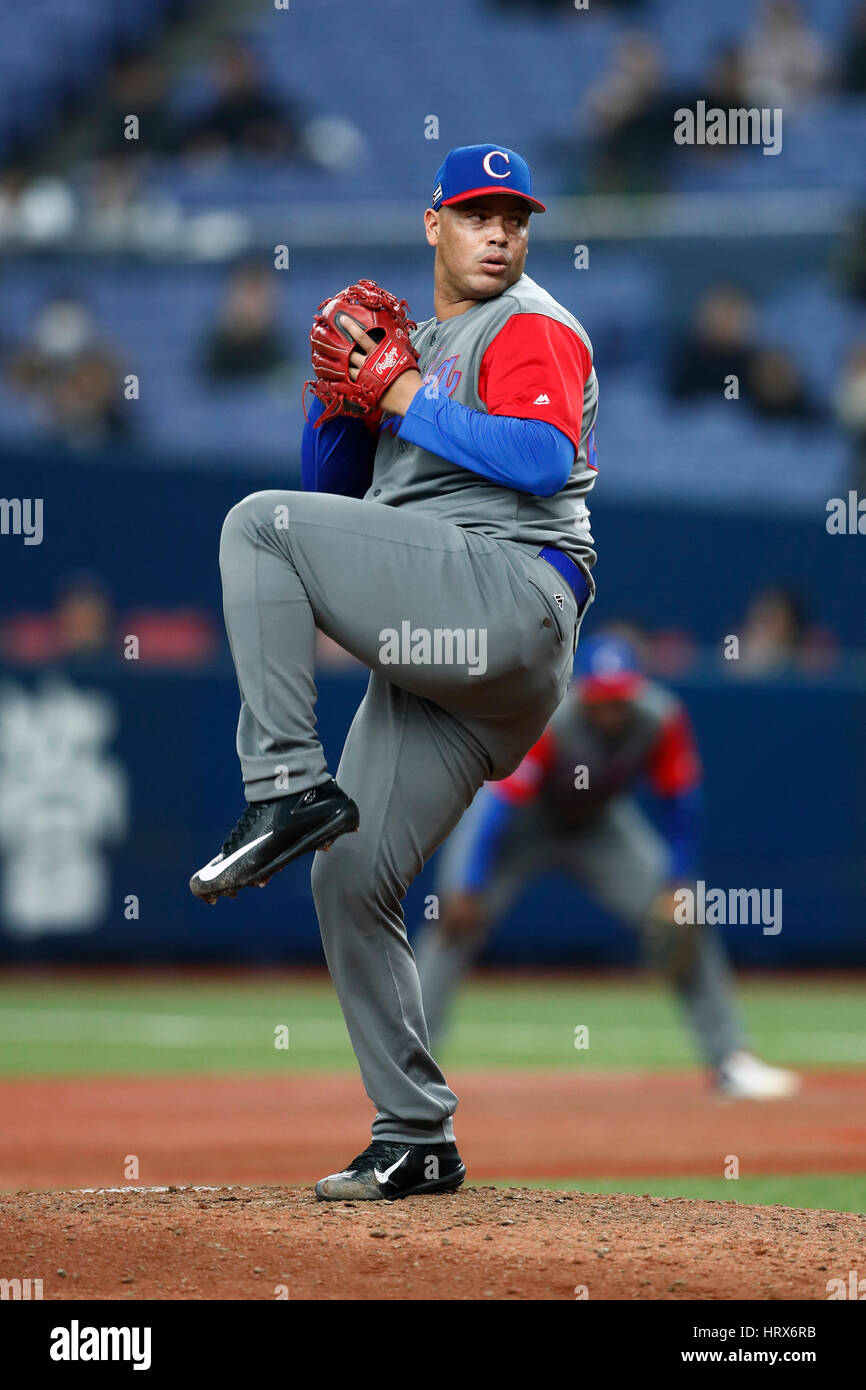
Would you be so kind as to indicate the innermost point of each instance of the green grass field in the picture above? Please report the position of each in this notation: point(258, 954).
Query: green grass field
point(826, 1191)
point(149, 1024)
point(131, 1024)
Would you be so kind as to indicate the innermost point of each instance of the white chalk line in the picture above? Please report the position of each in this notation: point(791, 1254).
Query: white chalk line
point(89, 1191)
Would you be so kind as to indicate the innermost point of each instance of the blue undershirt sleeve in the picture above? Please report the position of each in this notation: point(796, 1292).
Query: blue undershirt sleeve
point(527, 455)
point(680, 823)
point(481, 851)
point(337, 457)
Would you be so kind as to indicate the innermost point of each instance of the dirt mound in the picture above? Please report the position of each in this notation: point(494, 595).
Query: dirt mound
point(480, 1243)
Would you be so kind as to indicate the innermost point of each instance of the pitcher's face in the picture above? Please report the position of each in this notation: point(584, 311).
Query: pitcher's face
point(481, 245)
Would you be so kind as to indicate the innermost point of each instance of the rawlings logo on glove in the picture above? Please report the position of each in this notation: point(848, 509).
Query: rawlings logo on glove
point(344, 387)
point(390, 359)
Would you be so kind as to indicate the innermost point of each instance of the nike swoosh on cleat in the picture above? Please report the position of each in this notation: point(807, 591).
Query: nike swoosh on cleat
point(216, 866)
point(383, 1177)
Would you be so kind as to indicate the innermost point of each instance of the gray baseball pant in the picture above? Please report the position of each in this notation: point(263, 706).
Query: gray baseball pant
point(426, 736)
point(622, 862)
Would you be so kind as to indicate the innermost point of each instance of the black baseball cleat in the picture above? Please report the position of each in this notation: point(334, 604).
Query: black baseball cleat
point(386, 1171)
point(271, 833)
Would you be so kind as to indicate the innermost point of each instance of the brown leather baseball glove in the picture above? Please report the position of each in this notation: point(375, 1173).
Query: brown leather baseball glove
point(385, 319)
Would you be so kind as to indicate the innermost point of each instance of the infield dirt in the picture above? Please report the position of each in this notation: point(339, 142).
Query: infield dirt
point(514, 1127)
point(480, 1243)
point(246, 1231)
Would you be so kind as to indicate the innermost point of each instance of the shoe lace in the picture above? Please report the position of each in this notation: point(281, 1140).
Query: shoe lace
point(246, 819)
point(379, 1149)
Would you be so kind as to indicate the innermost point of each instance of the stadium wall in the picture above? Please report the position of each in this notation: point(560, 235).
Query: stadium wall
point(118, 778)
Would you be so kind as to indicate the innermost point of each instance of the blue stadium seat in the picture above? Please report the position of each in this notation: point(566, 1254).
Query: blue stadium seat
point(156, 316)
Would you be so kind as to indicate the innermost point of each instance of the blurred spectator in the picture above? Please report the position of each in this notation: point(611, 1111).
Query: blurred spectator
point(850, 408)
point(771, 633)
point(244, 115)
point(35, 208)
point(775, 387)
point(111, 190)
point(850, 257)
point(725, 87)
point(72, 376)
point(13, 182)
point(719, 343)
point(115, 179)
point(853, 75)
point(83, 628)
point(785, 62)
point(632, 110)
point(84, 618)
point(776, 639)
point(136, 89)
point(80, 627)
point(245, 343)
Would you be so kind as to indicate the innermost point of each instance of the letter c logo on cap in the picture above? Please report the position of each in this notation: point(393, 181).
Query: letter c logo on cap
point(492, 172)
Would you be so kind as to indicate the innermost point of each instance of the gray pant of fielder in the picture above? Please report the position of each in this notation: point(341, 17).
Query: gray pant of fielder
point(430, 730)
point(622, 862)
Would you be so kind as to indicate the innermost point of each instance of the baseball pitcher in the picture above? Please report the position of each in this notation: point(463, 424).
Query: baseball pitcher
point(443, 539)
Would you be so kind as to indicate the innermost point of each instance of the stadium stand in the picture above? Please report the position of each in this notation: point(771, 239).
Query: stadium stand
point(152, 310)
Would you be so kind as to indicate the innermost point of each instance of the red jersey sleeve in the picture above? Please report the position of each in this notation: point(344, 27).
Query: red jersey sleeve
point(535, 369)
point(526, 780)
point(674, 765)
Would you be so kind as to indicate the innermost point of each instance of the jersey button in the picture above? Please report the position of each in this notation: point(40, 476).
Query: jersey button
point(402, 448)
point(376, 491)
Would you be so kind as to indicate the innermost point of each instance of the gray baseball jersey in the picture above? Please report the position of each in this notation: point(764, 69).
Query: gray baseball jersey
point(451, 356)
point(655, 743)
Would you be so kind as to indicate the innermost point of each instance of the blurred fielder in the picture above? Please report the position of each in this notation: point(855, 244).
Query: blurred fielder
point(570, 808)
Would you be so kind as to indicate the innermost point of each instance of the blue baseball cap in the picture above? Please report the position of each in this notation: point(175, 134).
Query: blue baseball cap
point(472, 170)
point(607, 668)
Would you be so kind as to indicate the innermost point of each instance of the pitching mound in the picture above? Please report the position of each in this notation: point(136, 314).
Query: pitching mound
point(272, 1242)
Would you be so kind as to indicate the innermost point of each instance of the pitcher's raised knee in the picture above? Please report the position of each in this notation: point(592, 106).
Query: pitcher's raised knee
point(270, 508)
